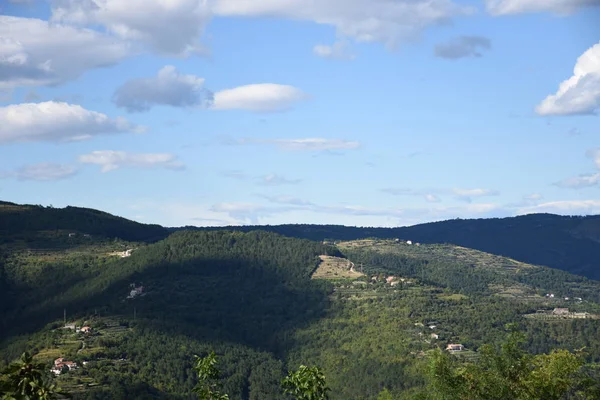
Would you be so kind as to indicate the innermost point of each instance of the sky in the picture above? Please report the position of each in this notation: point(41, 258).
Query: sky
point(353, 112)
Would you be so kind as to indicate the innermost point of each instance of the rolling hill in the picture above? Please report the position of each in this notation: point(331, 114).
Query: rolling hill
point(368, 311)
point(568, 243)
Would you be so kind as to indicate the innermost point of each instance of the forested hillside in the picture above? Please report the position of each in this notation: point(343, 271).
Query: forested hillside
point(28, 222)
point(568, 243)
point(259, 299)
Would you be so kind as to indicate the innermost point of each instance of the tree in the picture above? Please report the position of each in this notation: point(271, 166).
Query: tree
point(510, 373)
point(306, 384)
point(385, 394)
point(27, 380)
point(208, 375)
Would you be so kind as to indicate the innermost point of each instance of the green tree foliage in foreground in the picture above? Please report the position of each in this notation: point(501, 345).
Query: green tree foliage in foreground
point(26, 380)
point(208, 376)
point(510, 373)
point(307, 383)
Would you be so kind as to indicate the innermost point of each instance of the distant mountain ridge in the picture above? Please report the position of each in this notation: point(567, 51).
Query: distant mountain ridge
point(568, 243)
point(17, 220)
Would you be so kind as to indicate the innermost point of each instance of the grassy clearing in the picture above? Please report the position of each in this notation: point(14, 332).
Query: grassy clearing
point(335, 268)
point(453, 297)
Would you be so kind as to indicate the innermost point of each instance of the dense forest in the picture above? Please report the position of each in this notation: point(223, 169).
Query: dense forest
point(568, 243)
point(151, 303)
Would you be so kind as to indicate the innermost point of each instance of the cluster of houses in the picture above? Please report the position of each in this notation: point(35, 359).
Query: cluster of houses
point(60, 364)
point(135, 291)
point(390, 280)
point(564, 312)
point(552, 296)
point(453, 348)
point(85, 235)
point(409, 242)
point(79, 329)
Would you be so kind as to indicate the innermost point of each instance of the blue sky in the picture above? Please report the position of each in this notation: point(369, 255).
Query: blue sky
point(355, 112)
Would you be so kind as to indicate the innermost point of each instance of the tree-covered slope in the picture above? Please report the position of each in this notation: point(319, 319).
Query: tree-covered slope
point(37, 224)
point(568, 243)
point(252, 297)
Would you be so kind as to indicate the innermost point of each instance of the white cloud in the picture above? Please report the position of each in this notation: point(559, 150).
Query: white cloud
point(290, 200)
point(307, 144)
point(567, 207)
point(426, 193)
point(249, 212)
point(431, 195)
point(338, 51)
point(42, 172)
point(580, 181)
point(384, 21)
point(168, 87)
point(562, 7)
point(468, 194)
point(110, 160)
point(594, 154)
point(432, 198)
point(34, 52)
point(277, 180)
point(171, 27)
point(261, 97)
point(55, 122)
point(533, 197)
point(580, 94)
point(462, 47)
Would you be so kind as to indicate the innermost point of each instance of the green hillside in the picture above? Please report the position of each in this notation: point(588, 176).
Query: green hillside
point(568, 243)
point(254, 298)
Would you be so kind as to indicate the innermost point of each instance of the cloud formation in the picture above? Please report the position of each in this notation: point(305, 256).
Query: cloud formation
point(468, 194)
point(580, 94)
point(431, 195)
point(426, 194)
point(260, 97)
point(265, 180)
point(594, 154)
point(41, 172)
point(338, 51)
point(561, 7)
point(52, 121)
point(110, 160)
point(462, 47)
point(167, 27)
point(533, 197)
point(385, 21)
point(34, 52)
point(168, 87)
point(566, 207)
point(277, 180)
point(580, 181)
point(306, 144)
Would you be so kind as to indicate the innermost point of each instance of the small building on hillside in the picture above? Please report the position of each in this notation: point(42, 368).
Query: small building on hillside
point(60, 364)
point(390, 279)
point(86, 329)
point(560, 311)
point(409, 242)
point(435, 336)
point(136, 291)
point(455, 347)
